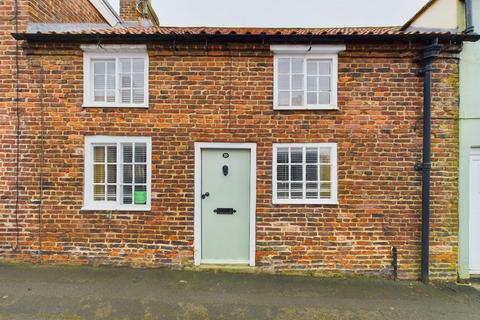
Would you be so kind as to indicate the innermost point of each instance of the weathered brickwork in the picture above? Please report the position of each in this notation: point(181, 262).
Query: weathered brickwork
point(128, 11)
point(224, 94)
point(59, 11)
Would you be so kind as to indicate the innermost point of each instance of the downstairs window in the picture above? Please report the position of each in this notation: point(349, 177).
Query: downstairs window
point(117, 173)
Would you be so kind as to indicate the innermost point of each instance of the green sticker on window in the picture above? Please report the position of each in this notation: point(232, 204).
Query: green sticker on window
point(140, 197)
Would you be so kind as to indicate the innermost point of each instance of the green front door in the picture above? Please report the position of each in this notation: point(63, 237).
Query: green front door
point(225, 205)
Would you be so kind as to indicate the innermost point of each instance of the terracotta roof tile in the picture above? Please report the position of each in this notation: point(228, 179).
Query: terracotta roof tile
point(247, 31)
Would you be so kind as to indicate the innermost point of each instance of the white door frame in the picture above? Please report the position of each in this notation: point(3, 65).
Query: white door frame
point(197, 238)
point(474, 153)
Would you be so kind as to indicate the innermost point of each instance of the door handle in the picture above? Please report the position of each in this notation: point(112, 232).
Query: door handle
point(206, 194)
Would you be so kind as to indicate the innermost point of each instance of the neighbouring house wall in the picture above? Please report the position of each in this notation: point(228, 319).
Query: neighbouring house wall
point(8, 118)
point(28, 11)
point(442, 14)
point(225, 95)
point(469, 133)
point(61, 11)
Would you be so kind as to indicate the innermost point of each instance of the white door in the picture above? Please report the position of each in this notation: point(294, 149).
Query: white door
point(474, 243)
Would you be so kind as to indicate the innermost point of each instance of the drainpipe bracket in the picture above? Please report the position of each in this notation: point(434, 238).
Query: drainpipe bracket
point(418, 166)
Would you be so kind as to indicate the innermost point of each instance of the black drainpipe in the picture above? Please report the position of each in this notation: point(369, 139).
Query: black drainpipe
point(428, 55)
point(469, 29)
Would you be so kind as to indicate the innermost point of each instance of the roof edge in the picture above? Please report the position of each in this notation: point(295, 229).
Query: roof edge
point(417, 14)
point(255, 38)
point(107, 11)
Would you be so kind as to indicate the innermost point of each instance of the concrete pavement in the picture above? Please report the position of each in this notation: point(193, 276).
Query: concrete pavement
point(52, 292)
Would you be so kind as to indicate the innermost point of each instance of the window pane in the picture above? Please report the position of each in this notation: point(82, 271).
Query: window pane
point(312, 172)
point(138, 65)
point(138, 81)
point(284, 65)
point(140, 152)
point(284, 98)
point(282, 173)
point(325, 174)
point(312, 190)
point(324, 83)
point(312, 83)
point(126, 96)
point(111, 68)
point(297, 82)
point(282, 155)
point(296, 173)
point(125, 65)
point(99, 82)
point(296, 155)
point(110, 96)
point(127, 194)
point(325, 191)
point(282, 191)
point(312, 68)
point(312, 155)
point(297, 65)
point(112, 193)
point(112, 154)
point(127, 173)
point(98, 68)
point(99, 96)
point(111, 82)
point(297, 98)
point(283, 82)
point(140, 173)
point(127, 153)
point(296, 191)
point(126, 81)
point(324, 97)
point(98, 173)
point(324, 155)
point(111, 173)
point(99, 154)
point(324, 68)
point(99, 192)
point(311, 98)
point(138, 96)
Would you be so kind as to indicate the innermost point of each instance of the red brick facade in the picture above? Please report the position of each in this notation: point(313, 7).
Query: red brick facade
point(58, 11)
point(225, 94)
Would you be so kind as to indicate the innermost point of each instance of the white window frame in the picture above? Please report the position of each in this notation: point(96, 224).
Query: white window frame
point(334, 184)
point(313, 52)
point(88, 202)
point(112, 52)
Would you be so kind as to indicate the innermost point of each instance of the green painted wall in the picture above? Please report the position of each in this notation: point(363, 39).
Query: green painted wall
point(469, 132)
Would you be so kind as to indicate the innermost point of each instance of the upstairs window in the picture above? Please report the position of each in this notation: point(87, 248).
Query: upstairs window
point(305, 173)
point(117, 173)
point(305, 77)
point(115, 76)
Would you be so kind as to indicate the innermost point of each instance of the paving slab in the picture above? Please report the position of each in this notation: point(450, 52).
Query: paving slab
point(57, 293)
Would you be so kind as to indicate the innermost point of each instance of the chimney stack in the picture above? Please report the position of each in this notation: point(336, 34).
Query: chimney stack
point(138, 13)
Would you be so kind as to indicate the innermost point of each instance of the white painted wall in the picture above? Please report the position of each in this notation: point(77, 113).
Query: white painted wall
point(443, 14)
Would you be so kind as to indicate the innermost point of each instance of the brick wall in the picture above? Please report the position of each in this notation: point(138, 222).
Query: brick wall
point(128, 11)
point(225, 94)
point(28, 11)
point(61, 11)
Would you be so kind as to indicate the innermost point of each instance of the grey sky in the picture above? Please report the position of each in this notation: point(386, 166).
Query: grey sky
point(284, 13)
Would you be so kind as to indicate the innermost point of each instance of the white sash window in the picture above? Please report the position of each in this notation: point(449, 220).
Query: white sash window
point(115, 76)
point(117, 173)
point(305, 173)
point(305, 77)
